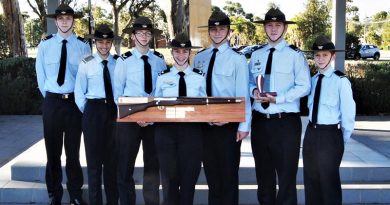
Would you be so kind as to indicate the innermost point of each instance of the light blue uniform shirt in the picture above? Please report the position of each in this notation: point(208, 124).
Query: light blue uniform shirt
point(129, 74)
point(336, 103)
point(168, 83)
point(290, 77)
point(230, 76)
point(90, 80)
point(48, 62)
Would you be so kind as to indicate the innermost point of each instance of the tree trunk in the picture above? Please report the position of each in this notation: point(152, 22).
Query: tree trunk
point(178, 17)
point(14, 27)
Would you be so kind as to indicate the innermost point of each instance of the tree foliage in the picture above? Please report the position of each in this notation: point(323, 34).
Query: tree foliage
point(4, 47)
point(234, 8)
point(100, 16)
point(310, 24)
point(34, 31)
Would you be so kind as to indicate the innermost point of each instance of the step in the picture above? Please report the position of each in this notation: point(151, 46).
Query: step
point(33, 192)
point(35, 172)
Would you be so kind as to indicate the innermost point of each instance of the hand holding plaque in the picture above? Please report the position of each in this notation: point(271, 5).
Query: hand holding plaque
point(260, 87)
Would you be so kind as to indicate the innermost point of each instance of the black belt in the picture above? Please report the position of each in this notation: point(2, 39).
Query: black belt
point(333, 126)
point(101, 100)
point(64, 96)
point(273, 116)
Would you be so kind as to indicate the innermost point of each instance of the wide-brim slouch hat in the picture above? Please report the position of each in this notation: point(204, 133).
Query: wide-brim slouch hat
point(322, 43)
point(181, 40)
point(140, 23)
point(218, 19)
point(64, 9)
point(274, 15)
point(103, 32)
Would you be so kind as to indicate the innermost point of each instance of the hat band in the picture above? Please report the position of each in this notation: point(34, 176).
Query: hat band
point(177, 44)
point(223, 22)
point(64, 12)
point(108, 35)
point(280, 18)
point(324, 47)
point(142, 26)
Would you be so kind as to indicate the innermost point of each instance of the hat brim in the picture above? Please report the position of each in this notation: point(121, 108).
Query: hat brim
point(75, 16)
point(192, 47)
point(91, 36)
point(264, 22)
point(216, 26)
point(332, 50)
point(132, 29)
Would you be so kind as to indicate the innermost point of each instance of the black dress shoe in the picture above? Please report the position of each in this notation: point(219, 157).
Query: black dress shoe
point(54, 202)
point(77, 202)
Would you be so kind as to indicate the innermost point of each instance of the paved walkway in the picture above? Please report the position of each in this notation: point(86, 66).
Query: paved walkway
point(369, 146)
point(19, 132)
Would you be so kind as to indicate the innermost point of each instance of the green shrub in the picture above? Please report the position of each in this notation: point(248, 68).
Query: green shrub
point(19, 93)
point(371, 87)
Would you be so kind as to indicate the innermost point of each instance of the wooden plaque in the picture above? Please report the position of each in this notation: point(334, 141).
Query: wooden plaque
point(231, 112)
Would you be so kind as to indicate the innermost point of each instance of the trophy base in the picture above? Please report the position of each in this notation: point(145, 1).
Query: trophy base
point(270, 93)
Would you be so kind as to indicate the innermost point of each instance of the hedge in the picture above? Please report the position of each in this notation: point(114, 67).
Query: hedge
point(19, 92)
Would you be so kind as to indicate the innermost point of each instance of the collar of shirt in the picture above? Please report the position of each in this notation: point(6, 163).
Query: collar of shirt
point(175, 71)
point(70, 38)
point(99, 59)
point(138, 54)
point(327, 73)
point(278, 47)
point(222, 48)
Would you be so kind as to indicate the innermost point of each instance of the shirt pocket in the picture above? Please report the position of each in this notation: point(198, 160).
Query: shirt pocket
point(256, 71)
point(74, 60)
point(328, 104)
point(169, 89)
point(52, 64)
point(284, 77)
point(95, 79)
point(226, 71)
point(134, 76)
point(329, 101)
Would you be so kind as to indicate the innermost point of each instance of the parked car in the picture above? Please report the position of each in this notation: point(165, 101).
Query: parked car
point(363, 52)
point(247, 51)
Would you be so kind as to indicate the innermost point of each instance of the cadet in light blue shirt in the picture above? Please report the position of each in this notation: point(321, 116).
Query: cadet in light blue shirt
point(129, 80)
point(179, 145)
point(276, 123)
point(58, 58)
point(48, 62)
point(135, 75)
point(94, 97)
point(168, 83)
point(331, 107)
point(89, 81)
point(226, 76)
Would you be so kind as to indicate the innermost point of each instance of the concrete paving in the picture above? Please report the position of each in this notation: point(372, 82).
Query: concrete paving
point(368, 148)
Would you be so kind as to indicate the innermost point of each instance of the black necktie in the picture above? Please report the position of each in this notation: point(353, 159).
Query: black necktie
point(210, 72)
point(61, 72)
point(107, 82)
point(317, 93)
point(182, 84)
point(147, 75)
point(267, 76)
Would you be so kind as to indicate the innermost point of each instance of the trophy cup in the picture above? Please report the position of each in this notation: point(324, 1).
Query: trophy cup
point(260, 87)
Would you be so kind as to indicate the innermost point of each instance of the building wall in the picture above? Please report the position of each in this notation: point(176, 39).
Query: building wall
point(200, 11)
